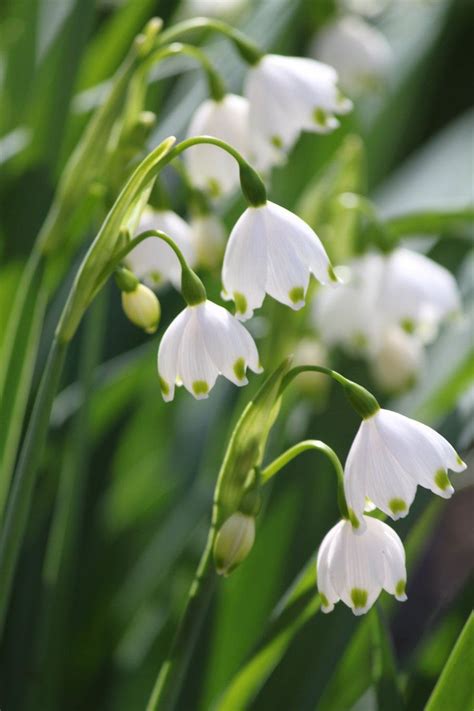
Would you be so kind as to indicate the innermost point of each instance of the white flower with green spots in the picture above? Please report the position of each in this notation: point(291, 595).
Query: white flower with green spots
point(389, 457)
point(289, 95)
point(153, 261)
point(271, 250)
point(209, 167)
point(205, 341)
point(354, 567)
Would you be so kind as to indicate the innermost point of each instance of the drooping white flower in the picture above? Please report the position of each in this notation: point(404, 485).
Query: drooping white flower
point(201, 343)
point(288, 95)
point(211, 168)
point(398, 361)
point(392, 454)
point(271, 250)
point(358, 51)
point(403, 288)
point(355, 566)
point(153, 261)
point(208, 234)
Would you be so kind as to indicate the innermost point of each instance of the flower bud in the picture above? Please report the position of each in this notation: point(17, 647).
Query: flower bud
point(142, 308)
point(234, 542)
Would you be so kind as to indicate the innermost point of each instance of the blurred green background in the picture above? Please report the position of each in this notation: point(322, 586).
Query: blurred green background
point(122, 506)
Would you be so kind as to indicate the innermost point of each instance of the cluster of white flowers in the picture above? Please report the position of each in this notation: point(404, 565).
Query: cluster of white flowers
point(283, 96)
point(388, 308)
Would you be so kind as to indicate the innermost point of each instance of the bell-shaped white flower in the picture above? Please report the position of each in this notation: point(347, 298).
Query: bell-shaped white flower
point(204, 341)
point(209, 167)
point(209, 235)
point(354, 567)
point(153, 261)
point(271, 250)
point(398, 361)
point(358, 52)
point(288, 95)
point(392, 454)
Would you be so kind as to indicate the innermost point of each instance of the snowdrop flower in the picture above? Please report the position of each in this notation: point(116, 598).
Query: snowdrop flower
point(271, 250)
point(208, 235)
point(209, 167)
point(392, 454)
point(398, 361)
point(359, 52)
point(202, 342)
point(288, 95)
point(355, 567)
point(153, 261)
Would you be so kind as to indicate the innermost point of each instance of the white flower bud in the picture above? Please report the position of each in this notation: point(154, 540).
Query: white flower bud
point(142, 308)
point(234, 542)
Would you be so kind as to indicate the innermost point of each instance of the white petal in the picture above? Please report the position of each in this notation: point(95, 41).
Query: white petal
point(323, 573)
point(168, 354)
point(245, 263)
point(395, 574)
point(230, 346)
point(195, 367)
point(211, 168)
point(355, 473)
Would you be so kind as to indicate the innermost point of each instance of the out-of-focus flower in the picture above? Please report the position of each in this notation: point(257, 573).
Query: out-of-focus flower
point(208, 234)
point(289, 95)
point(204, 341)
point(355, 566)
point(383, 294)
point(209, 167)
point(153, 261)
point(359, 52)
point(223, 9)
point(271, 250)
point(390, 456)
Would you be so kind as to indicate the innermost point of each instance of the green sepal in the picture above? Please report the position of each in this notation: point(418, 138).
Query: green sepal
point(363, 402)
point(125, 279)
point(252, 186)
point(192, 288)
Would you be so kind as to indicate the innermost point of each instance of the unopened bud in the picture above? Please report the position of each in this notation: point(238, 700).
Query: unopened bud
point(234, 542)
point(142, 308)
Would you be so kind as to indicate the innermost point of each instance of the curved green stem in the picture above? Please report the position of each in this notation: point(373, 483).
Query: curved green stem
point(363, 402)
point(247, 49)
point(215, 82)
point(23, 484)
point(165, 691)
point(297, 449)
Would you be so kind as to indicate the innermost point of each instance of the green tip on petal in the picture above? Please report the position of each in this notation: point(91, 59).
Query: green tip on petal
point(239, 368)
point(359, 597)
point(165, 388)
point(459, 461)
point(155, 277)
point(240, 302)
point(200, 387)
point(400, 589)
point(408, 325)
point(320, 117)
point(324, 600)
point(442, 480)
point(397, 506)
point(296, 294)
point(213, 188)
point(277, 142)
point(332, 274)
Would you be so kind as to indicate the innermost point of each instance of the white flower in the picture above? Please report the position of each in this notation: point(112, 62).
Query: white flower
point(142, 308)
point(403, 288)
point(209, 235)
point(354, 567)
point(390, 456)
point(211, 168)
point(271, 250)
point(153, 261)
point(359, 52)
point(202, 342)
point(398, 361)
point(288, 95)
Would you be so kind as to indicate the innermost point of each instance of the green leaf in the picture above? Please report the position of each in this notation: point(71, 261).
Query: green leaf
point(454, 690)
point(384, 668)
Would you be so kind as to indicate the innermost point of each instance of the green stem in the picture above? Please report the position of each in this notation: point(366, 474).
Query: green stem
point(297, 449)
point(247, 49)
point(23, 485)
point(363, 402)
point(428, 223)
point(165, 691)
point(217, 88)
